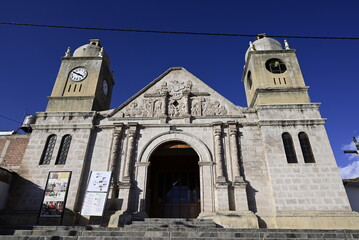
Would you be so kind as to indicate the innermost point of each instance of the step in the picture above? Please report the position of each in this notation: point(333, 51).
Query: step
point(104, 233)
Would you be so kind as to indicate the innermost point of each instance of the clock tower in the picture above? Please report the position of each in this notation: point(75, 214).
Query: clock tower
point(84, 81)
point(272, 74)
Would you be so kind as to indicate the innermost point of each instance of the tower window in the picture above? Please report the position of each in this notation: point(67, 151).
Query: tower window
point(249, 80)
point(64, 149)
point(289, 148)
point(275, 65)
point(48, 150)
point(306, 148)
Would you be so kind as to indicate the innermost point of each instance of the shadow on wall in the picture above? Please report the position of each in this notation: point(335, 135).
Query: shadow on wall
point(251, 194)
point(24, 203)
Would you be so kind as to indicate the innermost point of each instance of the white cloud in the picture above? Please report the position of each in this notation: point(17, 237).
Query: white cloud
point(350, 171)
point(351, 146)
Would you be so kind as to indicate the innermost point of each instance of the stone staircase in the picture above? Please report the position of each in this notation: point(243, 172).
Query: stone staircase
point(174, 229)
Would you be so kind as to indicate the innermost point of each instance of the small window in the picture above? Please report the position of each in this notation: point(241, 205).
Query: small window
point(306, 148)
point(275, 65)
point(64, 150)
point(289, 148)
point(48, 150)
point(249, 80)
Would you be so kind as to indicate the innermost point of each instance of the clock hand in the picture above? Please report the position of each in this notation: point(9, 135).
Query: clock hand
point(79, 74)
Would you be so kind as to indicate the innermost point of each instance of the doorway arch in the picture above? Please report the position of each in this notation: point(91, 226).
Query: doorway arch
point(205, 163)
point(173, 182)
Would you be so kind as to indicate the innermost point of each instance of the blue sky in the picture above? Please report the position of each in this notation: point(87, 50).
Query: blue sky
point(31, 56)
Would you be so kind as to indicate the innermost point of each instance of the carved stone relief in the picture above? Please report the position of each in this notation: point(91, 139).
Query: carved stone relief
point(175, 98)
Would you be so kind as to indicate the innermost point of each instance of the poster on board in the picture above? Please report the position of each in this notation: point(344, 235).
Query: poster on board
point(55, 194)
point(96, 193)
point(99, 181)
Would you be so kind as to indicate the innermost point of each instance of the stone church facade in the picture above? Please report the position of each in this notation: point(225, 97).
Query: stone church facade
point(178, 149)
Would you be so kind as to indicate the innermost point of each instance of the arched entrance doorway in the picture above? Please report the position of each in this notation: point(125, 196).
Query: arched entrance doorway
point(173, 190)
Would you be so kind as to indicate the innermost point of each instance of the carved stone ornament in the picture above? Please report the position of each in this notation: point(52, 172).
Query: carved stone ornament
point(174, 98)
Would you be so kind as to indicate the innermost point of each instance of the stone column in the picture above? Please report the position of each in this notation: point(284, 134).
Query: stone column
point(115, 162)
point(240, 193)
point(131, 135)
point(234, 149)
point(126, 183)
point(217, 132)
point(186, 113)
point(222, 203)
point(164, 104)
point(164, 97)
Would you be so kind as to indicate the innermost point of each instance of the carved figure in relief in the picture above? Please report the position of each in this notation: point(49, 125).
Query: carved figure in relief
point(212, 109)
point(218, 110)
point(188, 86)
point(196, 109)
point(175, 108)
point(133, 110)
point(171, 110)
point(164, 88)
point(158, 109)
point(176, 89)
point(148, 104)
point(184, 108)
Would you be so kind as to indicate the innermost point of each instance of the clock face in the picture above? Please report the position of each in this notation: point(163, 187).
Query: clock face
point(105, 87)
point(78, 74)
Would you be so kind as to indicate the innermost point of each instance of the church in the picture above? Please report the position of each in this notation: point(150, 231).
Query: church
point(179, 149)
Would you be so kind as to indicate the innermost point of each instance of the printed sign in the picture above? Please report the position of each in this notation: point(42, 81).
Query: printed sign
point(55, 194)
point(96, 194)
point(94, 203)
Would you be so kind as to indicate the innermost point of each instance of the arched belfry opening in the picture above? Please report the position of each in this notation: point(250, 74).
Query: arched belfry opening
point(174, 187)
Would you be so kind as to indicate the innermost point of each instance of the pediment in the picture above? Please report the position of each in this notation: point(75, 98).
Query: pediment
point(176, 93)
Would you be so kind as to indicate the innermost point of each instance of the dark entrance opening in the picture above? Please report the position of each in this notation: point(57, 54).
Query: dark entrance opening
point(174, 190)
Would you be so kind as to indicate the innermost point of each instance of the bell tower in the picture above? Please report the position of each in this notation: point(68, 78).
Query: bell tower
point(84, 81)
point(272, 74)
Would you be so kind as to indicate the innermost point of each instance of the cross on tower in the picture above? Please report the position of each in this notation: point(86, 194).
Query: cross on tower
point(356, 145)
